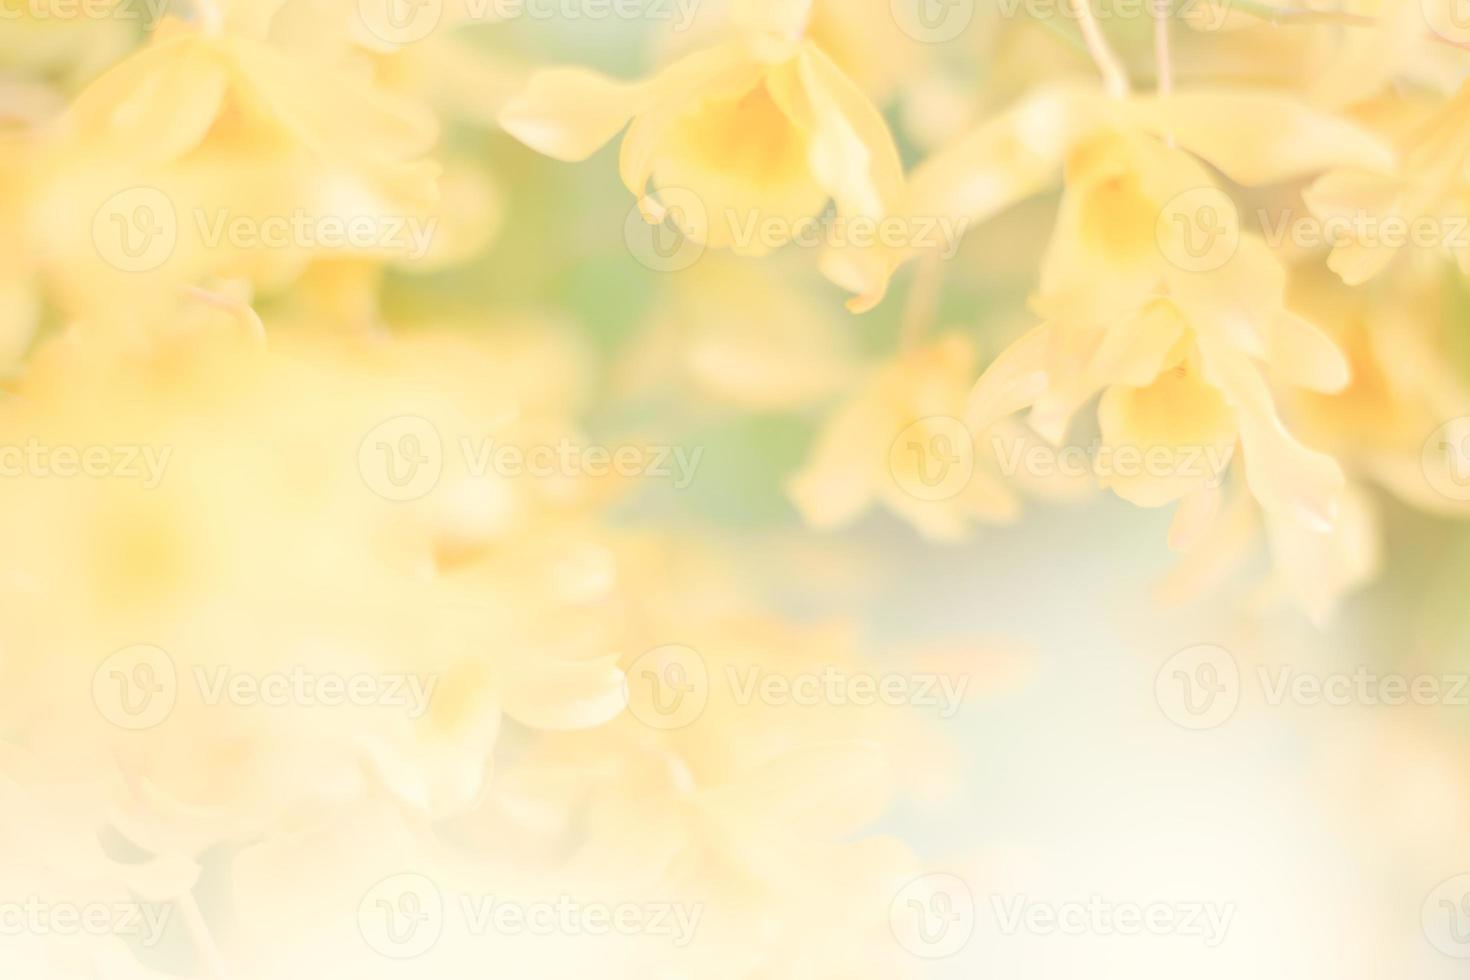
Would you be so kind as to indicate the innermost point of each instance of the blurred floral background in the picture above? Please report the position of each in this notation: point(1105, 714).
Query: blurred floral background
point(734, 489)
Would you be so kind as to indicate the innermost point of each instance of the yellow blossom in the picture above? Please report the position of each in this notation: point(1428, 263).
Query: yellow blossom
point(756, 132)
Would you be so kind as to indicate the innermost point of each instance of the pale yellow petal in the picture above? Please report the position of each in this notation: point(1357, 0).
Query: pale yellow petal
point(1005, 160)
point(157, 104)
point(1285, 139)
point(852, 152)
point(721, 72)
point(1342, 199)
point(1014, 380)
point(1287, 478)
point(854, 158)
point(1316, 569)
point(773, 28)
point(1167, 441)
point(1193, 518)
point(1300, 353)
point(838, 482)
point(1135, 350)
point(334, 113)
point(571, 113)
point(565, 696)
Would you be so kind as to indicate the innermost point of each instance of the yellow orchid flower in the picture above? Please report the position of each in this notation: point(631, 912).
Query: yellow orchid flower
point(864, 38)
point(899, 441)
point(210, 152)
point(201, 88)
point(1154, 297)
point(1022, 151)
point(183, 511)
point(1372, 214)
point(1335, 57)
point(1405, 389)
point(1401, 390)
point(1311, 570)
point(744, 142)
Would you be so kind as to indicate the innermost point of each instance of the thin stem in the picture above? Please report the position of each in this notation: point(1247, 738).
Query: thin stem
point(1163, 57)
point(923, 300)
point(1304, 17)
point(1114, 77)
point(203, 940)
point(1300, 15)
point(211, 18)
point(241, 309)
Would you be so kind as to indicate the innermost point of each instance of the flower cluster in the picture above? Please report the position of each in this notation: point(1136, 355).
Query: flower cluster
point(1156, 291)
point(299, 671)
